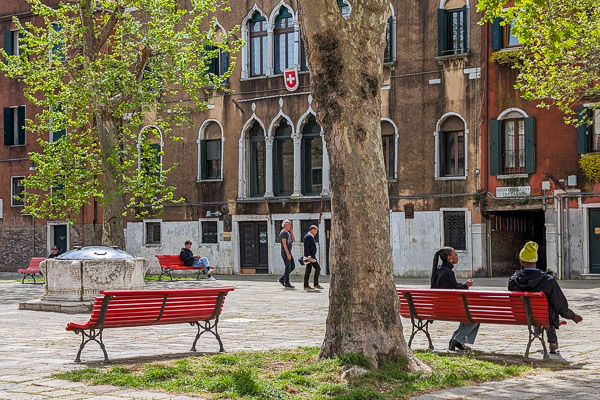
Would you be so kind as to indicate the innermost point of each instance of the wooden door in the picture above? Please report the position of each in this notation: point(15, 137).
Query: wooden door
point(254, 248)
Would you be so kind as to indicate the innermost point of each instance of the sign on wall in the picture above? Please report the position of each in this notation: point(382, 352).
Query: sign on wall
point(290, 76)
point(513, 191)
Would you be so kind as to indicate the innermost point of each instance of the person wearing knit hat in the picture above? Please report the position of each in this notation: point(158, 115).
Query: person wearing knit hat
point(529, 252)
point(531, 279)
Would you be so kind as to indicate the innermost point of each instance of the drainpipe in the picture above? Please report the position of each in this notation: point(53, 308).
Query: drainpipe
point(559, 227)
point(484, 134)
point(566, 240)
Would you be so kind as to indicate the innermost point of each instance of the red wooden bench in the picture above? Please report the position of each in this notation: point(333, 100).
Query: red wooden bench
point(32, 269)
point(127, 308)
point(172, 262)
point(423, 306)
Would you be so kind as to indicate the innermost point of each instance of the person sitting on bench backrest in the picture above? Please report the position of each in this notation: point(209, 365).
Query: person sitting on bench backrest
point(188, 258)
point(531, 279)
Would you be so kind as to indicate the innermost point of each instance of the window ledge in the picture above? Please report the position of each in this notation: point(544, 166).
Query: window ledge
point(17, 145)
point(209, 180)
point(451, 178)
point(512, 176)
point(208, 244)
point(392, 180)
point(152, 244)
point(459, 56)
point(253, 78)
point(513, 48)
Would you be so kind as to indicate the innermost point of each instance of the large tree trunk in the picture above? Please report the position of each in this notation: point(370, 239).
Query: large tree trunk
point(114, 204)
point(346, 61)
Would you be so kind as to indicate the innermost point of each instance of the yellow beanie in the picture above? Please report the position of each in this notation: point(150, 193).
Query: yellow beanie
point(529, 252)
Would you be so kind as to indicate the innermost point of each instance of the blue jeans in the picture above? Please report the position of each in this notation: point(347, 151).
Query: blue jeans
point(466, 332)
point(289, 267)
point(202, 263)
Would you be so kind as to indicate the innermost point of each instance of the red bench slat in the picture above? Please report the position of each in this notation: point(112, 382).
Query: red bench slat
point(34, 266)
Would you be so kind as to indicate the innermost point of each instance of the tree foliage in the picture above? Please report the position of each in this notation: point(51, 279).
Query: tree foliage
point(561, 38)
point(98, 72)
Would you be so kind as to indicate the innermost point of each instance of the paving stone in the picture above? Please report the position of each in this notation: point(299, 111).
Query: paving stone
point(291, 319)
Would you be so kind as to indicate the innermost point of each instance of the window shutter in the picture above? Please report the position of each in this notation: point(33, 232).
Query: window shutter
point(442, 32)
point(21, 122)
point(497, 34)
point(225, 65)
point(466, 20)
point(495, 146)
point(203, 171)
point(442, 156)
point(8, 42)
point(583, 142)
point(9, 133)
point(530, 145)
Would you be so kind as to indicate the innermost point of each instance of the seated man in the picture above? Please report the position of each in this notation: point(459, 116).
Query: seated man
point(531, 279)
point(53, 252)
point(188, 258)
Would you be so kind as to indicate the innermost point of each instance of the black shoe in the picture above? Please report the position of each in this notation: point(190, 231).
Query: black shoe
point(288, 286)
point(281, 281)
point(454, 346)
point(554, 351)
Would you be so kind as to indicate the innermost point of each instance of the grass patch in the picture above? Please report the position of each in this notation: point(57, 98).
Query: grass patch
point(30, 280)
point(297, 374)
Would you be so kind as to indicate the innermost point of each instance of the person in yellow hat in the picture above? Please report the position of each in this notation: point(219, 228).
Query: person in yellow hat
point(531, 279)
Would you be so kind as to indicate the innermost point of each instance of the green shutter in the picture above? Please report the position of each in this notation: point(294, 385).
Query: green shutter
point(8, 127)
point(530, 145)
point(21, 121)
point(583, 140)
point(8, 42)
point(203, 172)
point(442, 32)
point(495, 146)
point(465, 29)
point(497, 34)
point(225, 66)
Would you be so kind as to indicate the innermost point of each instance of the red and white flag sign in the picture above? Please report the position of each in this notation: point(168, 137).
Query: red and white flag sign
point(290, 76)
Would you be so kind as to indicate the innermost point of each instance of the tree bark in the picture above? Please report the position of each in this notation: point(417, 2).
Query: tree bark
point(346, 65)
point(114, 203)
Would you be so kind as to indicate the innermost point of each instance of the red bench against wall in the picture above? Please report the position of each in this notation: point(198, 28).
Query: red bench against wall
point(494, 307)
point(172, 262)
point(32, 269)
point(128, 308)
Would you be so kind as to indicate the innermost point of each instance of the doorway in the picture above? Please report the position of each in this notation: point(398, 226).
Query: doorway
point(510, 230)
point(58, 236)
point(327, 242)
point(254, 248)
point(594, 243)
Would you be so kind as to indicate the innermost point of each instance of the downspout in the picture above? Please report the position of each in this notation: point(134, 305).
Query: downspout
point(559, 227)
point(484, 145)
point(566, 240)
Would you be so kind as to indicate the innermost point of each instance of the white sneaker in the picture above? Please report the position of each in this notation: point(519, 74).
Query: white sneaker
point(210, 278)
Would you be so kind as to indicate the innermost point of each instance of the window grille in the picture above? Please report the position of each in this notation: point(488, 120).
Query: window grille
point(305, 226)
point(209, 232)
point(152, 232)
point(455, 234)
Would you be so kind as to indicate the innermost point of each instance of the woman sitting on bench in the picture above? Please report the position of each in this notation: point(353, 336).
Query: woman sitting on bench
point(442, 277)
point(188, 258)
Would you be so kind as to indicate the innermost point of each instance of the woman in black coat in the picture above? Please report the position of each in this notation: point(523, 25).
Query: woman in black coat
point(442, 277)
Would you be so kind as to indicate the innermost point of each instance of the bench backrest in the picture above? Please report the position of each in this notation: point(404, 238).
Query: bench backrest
point(156, 307)
point(167, 260)
point(34, 263)
point(495, 307)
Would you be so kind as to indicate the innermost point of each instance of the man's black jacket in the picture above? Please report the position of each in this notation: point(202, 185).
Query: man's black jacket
point(187, 257)
point(310, 246)
point(534, 280)
point(444, 278)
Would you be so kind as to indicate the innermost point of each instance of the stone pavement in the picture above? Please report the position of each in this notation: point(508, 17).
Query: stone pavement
point(259, 315)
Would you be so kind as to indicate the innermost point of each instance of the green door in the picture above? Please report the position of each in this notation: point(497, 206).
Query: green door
point(60, 237)
point(595, 241)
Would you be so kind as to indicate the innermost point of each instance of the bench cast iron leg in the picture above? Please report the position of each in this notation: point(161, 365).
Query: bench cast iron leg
point(26, 275)
point(536, 333)
point(87, 337)
point(206, 326)
point(422, 326)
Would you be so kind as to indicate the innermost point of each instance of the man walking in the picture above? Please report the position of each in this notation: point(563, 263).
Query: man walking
point(310, 253)
point(287, 238)
point(188, 258)
point(531, 279)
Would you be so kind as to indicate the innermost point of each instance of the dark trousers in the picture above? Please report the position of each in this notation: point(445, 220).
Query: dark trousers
point(552, 338)
point(289, 267)
point(309, 266)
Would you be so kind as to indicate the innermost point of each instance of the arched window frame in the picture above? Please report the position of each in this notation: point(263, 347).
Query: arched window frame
point(437, 136)
point(139, 146)
point(244, 156)
point(390, 51)
point(443, 27)
point(345, 8)
point(294, 36)
point(497, 145)
point(396, 135)
point(325, 192)
point(246, 56)
point(221, 65)
point(201, 138)
point(271, 177)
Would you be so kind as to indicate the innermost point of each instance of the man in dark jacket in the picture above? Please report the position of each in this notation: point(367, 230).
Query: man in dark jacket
point(188, 258)
point(310, 257)
point(531, 279)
